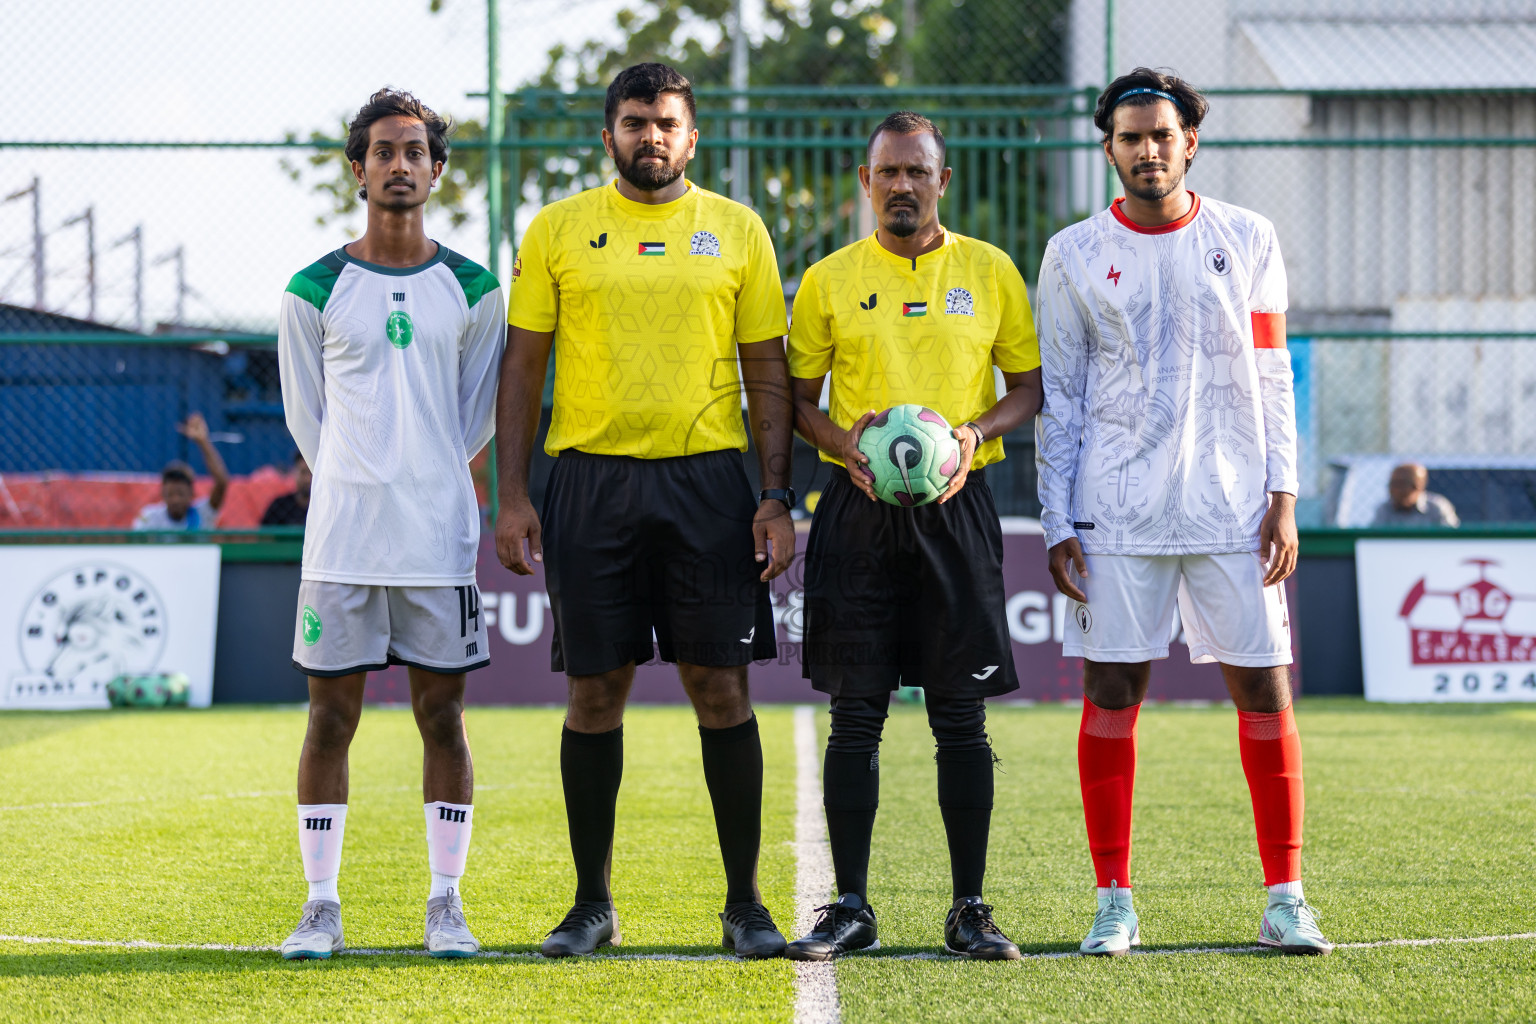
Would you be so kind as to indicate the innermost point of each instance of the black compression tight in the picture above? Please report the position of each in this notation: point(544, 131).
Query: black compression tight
point(851, 786)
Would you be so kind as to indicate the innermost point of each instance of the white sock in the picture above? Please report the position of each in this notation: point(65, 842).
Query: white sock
point(448, 831)
point(1290, 890)
point(322, 827)
point(1103, 893)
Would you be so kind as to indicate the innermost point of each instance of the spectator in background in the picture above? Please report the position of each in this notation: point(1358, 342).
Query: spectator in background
point(291, 509)
point(1411, 504)
point(177, 510)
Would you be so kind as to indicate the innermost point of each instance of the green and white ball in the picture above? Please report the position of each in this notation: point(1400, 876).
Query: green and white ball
point(177, 689)
point(912, 453)
point(151, 690)
point(117, 691)
point(147, 691)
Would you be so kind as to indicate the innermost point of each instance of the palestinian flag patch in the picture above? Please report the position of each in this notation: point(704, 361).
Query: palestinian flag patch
point(653, 248)
point(914, 309)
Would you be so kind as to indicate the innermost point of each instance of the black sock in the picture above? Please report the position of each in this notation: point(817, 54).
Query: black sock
point(965, 800)
point(850, 785)
point(591, 767)
point(733, 770)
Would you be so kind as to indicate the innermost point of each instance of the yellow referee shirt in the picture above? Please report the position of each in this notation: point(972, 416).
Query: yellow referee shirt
point(928, 331)
point(647, 304)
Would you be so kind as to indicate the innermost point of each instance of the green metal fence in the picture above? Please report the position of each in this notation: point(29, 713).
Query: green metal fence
point(1413, 307)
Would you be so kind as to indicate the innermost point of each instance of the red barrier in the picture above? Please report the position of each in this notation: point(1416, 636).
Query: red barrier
point(97, 501)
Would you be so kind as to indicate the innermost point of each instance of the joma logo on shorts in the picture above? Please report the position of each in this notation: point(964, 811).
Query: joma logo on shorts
point(473, 648)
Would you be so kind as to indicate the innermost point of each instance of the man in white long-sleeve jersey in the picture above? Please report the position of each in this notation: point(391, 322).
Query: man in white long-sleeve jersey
point(389, 349)
point(1167, 468)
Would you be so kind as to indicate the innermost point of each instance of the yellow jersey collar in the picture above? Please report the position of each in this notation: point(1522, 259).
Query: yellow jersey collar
point(659, 211)
point(904, 261)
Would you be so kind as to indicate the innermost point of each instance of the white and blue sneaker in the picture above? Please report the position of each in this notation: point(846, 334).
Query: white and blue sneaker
point(318, 934)
point(447, 933)
point(1290, 925)
point(1115, 928)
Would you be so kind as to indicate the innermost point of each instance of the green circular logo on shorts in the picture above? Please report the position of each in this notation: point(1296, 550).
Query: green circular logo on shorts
point(311, 626)
point(399, 329)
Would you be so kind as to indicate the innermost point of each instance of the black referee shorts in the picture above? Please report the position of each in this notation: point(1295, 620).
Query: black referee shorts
point(913, 597)
point(636, 545)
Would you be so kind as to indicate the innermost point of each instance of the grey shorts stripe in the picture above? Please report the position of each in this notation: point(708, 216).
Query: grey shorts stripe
point(342, 628)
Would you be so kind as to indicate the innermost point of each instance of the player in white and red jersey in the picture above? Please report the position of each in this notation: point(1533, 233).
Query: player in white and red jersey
point(1167, 467)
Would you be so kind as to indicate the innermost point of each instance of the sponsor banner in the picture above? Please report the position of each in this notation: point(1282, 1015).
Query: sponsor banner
point(74, 617)
point(519, 629)
point(1448, 620)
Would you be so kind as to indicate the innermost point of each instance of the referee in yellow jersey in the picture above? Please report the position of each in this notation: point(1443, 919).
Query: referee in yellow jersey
point(912, 596)
point(649, 289)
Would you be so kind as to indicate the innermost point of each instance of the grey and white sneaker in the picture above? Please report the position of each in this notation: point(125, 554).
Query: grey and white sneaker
point(1290, 925)
point(447, 934)
point(1115, 927)
point(318, 934)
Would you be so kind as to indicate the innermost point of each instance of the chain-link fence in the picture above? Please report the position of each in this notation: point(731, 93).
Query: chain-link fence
point(144, 242)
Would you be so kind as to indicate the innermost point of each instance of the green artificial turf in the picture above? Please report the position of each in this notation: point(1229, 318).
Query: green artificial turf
point(1421, 822)
point(178, 828)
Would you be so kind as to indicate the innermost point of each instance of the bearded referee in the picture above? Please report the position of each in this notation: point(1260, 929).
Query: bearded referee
point(650, 289)
point(913, 596)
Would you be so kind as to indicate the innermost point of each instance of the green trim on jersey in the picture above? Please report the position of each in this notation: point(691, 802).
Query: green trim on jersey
point(476, 281)
point(379, 268)
point(313, 284)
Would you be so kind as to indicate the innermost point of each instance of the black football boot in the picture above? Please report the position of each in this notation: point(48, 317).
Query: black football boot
point(843, 927)
point(589, 924)
point(749, 930)
point(969, 931)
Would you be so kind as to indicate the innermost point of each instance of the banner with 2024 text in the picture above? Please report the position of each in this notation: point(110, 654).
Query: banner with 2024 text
point(519, 629)
point(74, 617)
point(1448, 620)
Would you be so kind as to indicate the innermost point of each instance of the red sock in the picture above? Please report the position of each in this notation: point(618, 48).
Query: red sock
point(1271, 750)
point(1106, 766)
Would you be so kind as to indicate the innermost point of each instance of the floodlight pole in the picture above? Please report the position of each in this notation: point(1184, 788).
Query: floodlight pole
point(493, 125)
point(493, 133)
point(178, 255)
point(1109, 76)
point(908, 41)
point(89, 219)
point(136, 236)
point(739, 73)
point(39, 256)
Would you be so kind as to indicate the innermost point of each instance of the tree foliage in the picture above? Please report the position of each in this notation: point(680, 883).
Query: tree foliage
point(798, 42)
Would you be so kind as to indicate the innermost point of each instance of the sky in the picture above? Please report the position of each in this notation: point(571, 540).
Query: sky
point(217, 70)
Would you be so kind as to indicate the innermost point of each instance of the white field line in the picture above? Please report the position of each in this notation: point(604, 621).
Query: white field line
point(815, 984)
point(43, 940)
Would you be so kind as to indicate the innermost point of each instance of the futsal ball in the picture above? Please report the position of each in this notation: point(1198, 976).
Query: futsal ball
point(117, 691)
point(177, 689)
point(912, 454)
point(147, 691)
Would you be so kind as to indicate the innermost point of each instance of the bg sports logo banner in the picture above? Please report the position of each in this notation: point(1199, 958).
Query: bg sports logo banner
point(1448, 620)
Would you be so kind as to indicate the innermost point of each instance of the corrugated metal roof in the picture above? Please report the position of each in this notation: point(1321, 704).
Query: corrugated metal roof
point(1329, 55)
point(20, 320)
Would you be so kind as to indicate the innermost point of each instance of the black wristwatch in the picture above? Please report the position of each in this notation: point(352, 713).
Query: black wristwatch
point(784, 494)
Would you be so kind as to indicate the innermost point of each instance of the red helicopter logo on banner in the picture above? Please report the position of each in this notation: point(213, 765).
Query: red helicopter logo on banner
point(1480, 621)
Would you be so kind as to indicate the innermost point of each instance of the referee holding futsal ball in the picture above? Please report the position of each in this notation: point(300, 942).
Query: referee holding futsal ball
point(650, 289)
point(909, 596)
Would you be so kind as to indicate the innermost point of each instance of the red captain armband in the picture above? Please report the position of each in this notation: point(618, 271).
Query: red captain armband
point(1268, 330)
